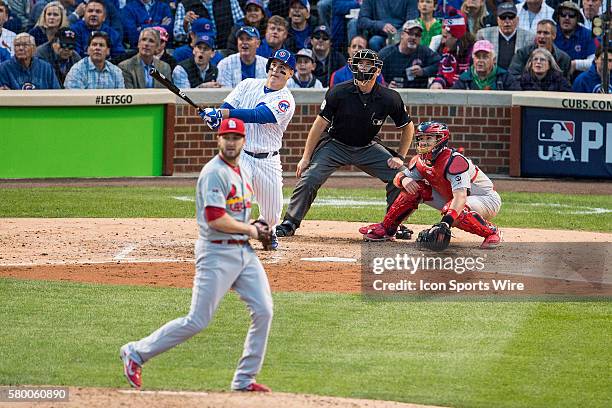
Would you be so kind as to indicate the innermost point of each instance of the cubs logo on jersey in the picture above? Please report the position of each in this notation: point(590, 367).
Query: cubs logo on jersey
point(284, 105)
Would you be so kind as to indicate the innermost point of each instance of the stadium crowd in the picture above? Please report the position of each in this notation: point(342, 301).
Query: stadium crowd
point(438, 44)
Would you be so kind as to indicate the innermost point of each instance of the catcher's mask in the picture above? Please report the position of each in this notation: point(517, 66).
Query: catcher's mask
point(437, 129)
point(364, 73)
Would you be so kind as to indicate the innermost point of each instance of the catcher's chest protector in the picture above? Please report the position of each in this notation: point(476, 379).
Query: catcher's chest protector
point(436, 174)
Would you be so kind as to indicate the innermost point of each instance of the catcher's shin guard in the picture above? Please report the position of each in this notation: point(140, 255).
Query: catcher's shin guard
point(404, 205)
point(471, 221)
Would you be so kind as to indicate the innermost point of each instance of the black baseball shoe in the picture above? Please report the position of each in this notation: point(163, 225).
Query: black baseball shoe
point(403, 232)
point(285, 229)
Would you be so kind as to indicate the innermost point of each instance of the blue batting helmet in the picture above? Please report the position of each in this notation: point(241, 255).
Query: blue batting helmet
point(284, 56)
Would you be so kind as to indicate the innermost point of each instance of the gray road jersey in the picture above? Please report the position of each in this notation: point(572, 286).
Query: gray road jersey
point(219, 185)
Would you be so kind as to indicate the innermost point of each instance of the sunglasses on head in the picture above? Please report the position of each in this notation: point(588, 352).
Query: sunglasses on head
point(507, 17)
point(568, 14)
point(320, 37)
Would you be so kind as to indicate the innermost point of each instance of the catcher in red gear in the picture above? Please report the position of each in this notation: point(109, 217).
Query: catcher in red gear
point(448, 181)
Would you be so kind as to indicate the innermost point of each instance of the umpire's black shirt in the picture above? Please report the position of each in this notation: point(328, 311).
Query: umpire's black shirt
point(356, 118)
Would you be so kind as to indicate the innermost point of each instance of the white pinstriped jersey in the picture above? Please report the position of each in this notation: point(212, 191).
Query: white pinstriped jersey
point(268, 137)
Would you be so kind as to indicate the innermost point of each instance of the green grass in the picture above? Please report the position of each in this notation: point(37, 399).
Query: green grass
point(544, 210)
point(464, 354)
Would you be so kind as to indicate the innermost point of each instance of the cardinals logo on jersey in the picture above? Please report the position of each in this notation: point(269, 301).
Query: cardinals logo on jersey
point(238, 203)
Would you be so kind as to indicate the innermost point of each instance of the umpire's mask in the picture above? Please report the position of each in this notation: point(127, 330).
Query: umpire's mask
point(361, 74)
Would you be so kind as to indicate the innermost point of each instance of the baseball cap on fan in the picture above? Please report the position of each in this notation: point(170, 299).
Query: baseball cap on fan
point(205, 39)
point(304, 3)
point(66, 37)
point(201, 26)
point(410, 24)
point(483, 45)
point(248, 30)
point(232, 125)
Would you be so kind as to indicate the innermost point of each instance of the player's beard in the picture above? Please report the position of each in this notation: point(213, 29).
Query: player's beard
point(230, 155)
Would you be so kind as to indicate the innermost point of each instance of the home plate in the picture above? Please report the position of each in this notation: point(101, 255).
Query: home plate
point(329, 259)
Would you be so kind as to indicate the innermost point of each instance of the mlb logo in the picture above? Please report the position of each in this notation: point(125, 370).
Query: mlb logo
point(556, 130)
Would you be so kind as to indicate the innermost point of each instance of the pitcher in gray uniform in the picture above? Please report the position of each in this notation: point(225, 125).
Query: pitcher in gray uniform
point(224, 260)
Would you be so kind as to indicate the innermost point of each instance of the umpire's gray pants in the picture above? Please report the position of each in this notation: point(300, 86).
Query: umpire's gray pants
point(327, 158)
point(220, 267)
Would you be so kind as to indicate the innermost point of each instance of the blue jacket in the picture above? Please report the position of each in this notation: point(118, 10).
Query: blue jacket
point(338, 22)
point(374, 14)
point(83, 33)
point(4, 55)
point(579, 46)
point(39, 75)
point(589, 81)
point(135, 17)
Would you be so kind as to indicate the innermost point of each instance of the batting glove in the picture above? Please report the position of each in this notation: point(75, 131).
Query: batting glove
point(212, 117)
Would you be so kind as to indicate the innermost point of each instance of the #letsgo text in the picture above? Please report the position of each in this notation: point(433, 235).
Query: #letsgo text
point(404, 285)
point(114, 99)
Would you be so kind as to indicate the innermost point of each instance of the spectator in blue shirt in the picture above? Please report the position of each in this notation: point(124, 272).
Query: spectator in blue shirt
point(139, 14)
point(573, 38)
point(24, 71)
point(590, 81)
point(277, 31)
point(94, 71)
point(383, 18)
point(300, 26)
point(94, 20)
point(50, 21)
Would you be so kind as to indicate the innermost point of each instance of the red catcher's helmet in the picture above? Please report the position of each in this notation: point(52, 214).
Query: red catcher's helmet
point(437, 129)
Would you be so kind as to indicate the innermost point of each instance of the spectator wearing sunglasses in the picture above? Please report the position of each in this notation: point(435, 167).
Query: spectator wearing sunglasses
point(409, 64)
point(573, 38)
point(327, 59)
point(531, 12)
point(507, 37)
point(60, 53)
point(94, 71)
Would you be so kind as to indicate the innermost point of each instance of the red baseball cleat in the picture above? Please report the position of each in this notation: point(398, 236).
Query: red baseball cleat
point(377, 233)
point(492, 241)
point(131, 369)
point(254, 387)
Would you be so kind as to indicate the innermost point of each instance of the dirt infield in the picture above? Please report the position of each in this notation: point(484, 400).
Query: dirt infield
point(159, 252)
point(111, 398)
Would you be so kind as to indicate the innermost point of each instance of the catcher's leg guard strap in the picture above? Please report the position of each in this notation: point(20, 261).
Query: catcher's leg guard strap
point(471, 221)
point(404, 205)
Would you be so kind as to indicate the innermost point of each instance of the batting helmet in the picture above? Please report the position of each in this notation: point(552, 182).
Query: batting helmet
point(283, 56)
point(437, 129)
point(364, 55)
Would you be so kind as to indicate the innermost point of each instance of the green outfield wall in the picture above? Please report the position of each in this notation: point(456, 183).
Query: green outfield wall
point(83, 141)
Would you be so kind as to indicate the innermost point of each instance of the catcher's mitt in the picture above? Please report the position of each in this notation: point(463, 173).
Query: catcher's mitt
point(435, 238)
point(264, 234)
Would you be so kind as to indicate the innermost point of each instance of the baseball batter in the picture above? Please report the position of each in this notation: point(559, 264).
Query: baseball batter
point(267, 107)
point(224, 260)
point(447, 181)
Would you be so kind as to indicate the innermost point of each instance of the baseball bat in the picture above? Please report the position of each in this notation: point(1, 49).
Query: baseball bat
point(172, 88)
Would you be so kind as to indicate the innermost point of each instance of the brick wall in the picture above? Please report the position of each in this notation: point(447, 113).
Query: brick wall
point(483, 131)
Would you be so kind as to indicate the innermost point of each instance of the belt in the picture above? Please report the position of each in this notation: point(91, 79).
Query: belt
point(261, 155)
point(230, 242)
